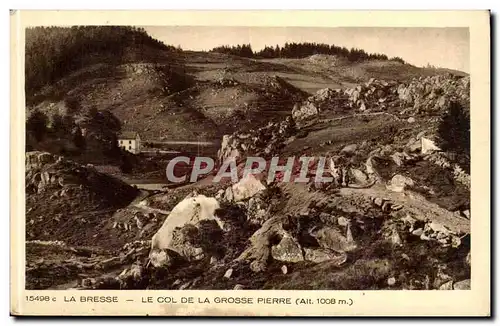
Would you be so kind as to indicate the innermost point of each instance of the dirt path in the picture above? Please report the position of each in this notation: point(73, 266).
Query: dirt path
point(360, 115)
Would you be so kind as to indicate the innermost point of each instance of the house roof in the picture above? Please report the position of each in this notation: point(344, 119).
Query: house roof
point(128, 135)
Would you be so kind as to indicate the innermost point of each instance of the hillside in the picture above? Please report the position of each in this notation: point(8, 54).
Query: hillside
point(166, 93)
point(395, 216)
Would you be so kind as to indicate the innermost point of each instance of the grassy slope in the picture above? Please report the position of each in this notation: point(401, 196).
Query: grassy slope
point(204, 110)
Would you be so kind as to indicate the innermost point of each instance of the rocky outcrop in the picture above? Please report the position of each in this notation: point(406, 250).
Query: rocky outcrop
point(434, 93)
point(284, 239)
point(304, 111)
point(262, 141)
point(375, 95)
point(430, 94)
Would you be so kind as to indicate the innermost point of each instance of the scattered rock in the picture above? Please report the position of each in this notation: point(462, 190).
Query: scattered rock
point(342, 221)
point(288, 250)
point(228, 194)
point(399, 182)
point(462, 285)
point(349, 149)
point(258, 266)
point(159, 258)
point(333, 239)
point(228, 273)
point(447, 286)
point(304, 110)
point(238, 287)
point(391, 281)
point(418, 232)
point(455, 241)
point(428, 146)
point(396, 238)
point(438, 228)
point(319, 255)
point(359, 176)
point(247, 187)
point(284, 269)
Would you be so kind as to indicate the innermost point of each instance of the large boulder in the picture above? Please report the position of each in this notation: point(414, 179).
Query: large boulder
point(399, 182)
point(38, 159)
point(359, 176)
point(189, 211)
point(270, 237)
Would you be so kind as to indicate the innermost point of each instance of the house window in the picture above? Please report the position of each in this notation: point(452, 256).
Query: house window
point(121, 141)
point(130, 147)
point(130, 142)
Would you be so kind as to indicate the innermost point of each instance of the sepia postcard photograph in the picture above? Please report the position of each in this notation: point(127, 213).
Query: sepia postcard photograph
point(337, 168)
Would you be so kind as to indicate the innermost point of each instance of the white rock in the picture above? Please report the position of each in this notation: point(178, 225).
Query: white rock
point(342, 221)
point(228, 273)
point(428, 145)
point(436, 227)
point(284, 269)
point(399, 182)
point(228, 195)
point(247, 187)
point(159, 258)
point(188, 211)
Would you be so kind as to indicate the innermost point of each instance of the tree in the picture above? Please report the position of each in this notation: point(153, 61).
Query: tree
point(37, 125)
point(78, 138)
point(454, 130)
point(101, 131)
point(58, 126)
point(126, 165)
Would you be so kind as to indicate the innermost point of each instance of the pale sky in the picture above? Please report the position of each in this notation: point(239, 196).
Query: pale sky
point(443, 47)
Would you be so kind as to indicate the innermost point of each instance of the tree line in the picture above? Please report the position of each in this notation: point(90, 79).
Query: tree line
point(52, 52)
point(302, 50)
